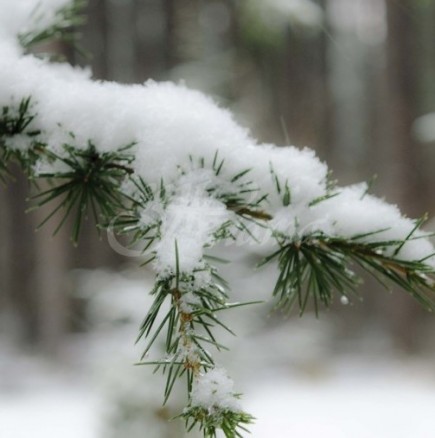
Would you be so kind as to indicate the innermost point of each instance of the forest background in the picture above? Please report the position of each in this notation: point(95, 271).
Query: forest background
point(352, 79)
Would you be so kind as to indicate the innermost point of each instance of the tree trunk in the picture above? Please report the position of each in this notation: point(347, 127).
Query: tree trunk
point(402, 157)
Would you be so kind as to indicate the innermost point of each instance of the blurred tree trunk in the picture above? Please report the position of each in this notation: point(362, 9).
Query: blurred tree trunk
point(21, 292)
point(5, 305)
point(33, 273)
point(301, 91)
point(95, 37)
point(170, 34)
point(426, 67)
point(151, 37)
point(402, 157)
point(51, 281)
point(326, 104)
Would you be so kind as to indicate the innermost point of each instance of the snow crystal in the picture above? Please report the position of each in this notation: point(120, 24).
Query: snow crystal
point(305, 174)
point(188, 300)
point(189, 223)
point(352, 213)
point(201, 279)
point(187, 351)
point(196, 181)
point(215, 390)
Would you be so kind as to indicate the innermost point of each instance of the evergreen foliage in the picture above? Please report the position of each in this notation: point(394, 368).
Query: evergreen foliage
point(86, 180)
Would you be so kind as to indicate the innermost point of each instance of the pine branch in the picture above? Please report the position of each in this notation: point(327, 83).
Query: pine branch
point(231, 423)
point(316, 266)
point(67, 19)
point(188, 324)
point(185, 313)
point(16, 120)
point(90, 182)
point(140, 221)
point(4, 160)
point(188, 328)
point(238, 193)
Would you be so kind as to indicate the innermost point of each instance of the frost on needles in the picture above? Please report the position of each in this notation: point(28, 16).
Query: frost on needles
point(168, 167)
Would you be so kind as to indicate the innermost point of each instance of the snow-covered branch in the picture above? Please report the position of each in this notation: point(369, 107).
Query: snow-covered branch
point(173, 170)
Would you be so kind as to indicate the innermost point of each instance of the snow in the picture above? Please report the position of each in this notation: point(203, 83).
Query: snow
point(214, 390)
point(353, 212)
point(20, 17)
point(188, 225)
point(361, 398)
point(60, 411)
point(173, 128)
point(189, 299)
point(151, 213)
point(300, 390)
point(372, 402)
point(177, 134)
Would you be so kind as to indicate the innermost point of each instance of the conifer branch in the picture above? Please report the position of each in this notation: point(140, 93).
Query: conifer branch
point(315, 266)
point(231, 423)
point(189, 328)
point(87, 181)
point(63, 28)
point(107, 182)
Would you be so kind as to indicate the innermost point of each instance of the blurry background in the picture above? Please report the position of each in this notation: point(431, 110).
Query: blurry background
point(352, 79)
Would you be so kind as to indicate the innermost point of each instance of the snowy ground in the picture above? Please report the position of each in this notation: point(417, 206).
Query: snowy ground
point(367, 401)
point(61, 411)
point(300, 392)
point(356, 398)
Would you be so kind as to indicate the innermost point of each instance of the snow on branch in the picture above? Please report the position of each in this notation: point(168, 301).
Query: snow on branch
point(172, 169)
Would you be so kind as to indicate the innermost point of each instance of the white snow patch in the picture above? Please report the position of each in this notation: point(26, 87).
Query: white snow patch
point(215, 390)
point(371, 402)
point(188, 225)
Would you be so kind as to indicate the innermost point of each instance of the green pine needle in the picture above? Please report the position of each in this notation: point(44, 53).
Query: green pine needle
point(16, 120)
point(316, 266)
point(209, 421)
point(128, 222)
point(90, 183)
point(192, 323)
point(64, 27)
